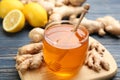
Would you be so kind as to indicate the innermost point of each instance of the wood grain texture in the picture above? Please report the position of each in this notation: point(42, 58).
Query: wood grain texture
point(10, 42)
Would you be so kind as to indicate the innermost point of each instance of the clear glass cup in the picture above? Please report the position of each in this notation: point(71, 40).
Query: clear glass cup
point(64, 50)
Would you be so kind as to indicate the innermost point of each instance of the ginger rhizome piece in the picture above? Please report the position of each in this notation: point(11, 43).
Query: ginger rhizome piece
point(29, 57)
point(76, 2)
point(111, 25)
point(91, 25)
point(100, 25)
point(95, 58)
point(36, 34)
point(30, 48)
point(58, 13)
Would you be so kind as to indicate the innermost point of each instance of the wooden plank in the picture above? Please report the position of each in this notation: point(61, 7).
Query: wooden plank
point(13, 43)
point(7, 62)
point(102, 8)
point(8, 51)
point(15, 36)
point(93, 16)
point(9, 74)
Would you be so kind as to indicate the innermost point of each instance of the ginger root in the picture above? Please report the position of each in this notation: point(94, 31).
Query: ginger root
point(32, 48)
point(100, 25)
point(29, 57)
point(76, 2)
point(59, 13)
point(36, 34)
point(25, 62)
point(111, 25)
point(95, 58)
point(91, 25)
point(69, 2)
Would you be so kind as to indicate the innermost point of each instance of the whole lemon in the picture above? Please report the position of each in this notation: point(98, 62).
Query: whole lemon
point(35, 14)
point(8, 5)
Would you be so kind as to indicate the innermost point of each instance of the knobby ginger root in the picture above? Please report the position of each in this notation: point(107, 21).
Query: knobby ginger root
point(111, 25)
point(32, 62)
point(95, 58)
point(24, 65)
point(32, 48)
point(76, 2)
point(29, 57)
point(59, 13)
point(100, 25)
point(37, 60)
point(91, 25)
point(69, 2)
point(36, 34)
point(21, 58)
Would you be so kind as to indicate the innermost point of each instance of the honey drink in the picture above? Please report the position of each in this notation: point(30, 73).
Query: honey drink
point(65, 50)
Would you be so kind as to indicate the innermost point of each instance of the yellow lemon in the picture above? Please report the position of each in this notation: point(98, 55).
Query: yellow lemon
point(35, 14)
point(8, 5)
point(14, 21)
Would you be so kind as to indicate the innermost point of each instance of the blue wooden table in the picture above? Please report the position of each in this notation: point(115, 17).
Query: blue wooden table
point(10, 42)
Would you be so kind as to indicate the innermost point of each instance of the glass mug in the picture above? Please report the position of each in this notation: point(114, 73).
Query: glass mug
point(64, 50)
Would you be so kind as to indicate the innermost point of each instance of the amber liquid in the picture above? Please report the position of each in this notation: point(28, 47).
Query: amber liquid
point(65, 49)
